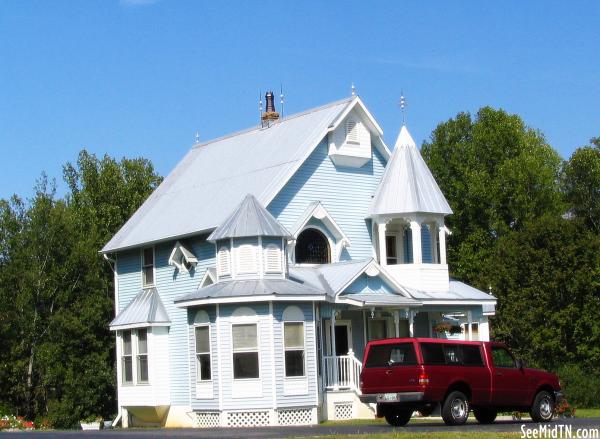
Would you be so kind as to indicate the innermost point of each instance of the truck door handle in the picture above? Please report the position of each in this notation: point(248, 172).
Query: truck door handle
point(499, 374)
point(388, 372)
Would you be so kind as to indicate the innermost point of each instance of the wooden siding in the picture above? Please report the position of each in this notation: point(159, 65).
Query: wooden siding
point(318, 179)
point(369, 285)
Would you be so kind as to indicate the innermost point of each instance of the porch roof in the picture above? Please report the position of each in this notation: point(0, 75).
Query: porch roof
point(458, 292)
point(145, 309)
point(255, 290)
point(384, 300)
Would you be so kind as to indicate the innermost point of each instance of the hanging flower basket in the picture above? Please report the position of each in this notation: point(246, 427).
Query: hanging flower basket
point(447, 328)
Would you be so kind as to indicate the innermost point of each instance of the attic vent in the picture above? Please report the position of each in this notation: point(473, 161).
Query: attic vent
point(246, 259)
point(352, 132)
point(224, 261)
point(273, 259)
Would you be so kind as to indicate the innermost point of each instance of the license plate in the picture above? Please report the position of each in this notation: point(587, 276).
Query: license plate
point(387, 397)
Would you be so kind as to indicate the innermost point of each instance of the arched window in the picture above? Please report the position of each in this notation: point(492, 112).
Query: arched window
point(312, 247)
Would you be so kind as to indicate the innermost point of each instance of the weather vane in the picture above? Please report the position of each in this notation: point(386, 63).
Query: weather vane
point(402, 107)
point(197, 137)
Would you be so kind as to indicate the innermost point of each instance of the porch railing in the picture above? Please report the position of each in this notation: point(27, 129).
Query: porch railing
point(342, 372)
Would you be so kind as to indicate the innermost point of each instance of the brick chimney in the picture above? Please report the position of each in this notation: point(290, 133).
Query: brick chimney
point(270, 115)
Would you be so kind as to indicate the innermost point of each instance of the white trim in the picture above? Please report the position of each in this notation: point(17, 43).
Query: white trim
point(319, 212)
point(273, 382)
point(455, 302)
point(370, 266)
point(245, 321)
point(295, 349)
point(344, 322)
point(137, 325)
point(220, 375)
point(348, 300)
point(251, 299)
point(316, 351)
point(189, 257)
point(202, 325)
point(206, 277)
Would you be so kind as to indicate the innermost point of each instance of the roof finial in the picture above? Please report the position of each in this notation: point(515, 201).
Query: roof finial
point(197, 136)
point(353, 89)
point(281, 100)
point(402, 107)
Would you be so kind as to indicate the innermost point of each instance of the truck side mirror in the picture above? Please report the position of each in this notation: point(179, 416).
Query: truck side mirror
point(520, 364)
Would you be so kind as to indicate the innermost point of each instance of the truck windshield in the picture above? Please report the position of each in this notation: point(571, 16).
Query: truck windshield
point(385, 355)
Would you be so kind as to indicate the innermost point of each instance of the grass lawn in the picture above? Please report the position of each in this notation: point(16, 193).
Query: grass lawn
point(431, 435)
point(587, 413)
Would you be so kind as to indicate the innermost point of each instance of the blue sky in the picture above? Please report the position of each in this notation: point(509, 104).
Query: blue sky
point(139, 77)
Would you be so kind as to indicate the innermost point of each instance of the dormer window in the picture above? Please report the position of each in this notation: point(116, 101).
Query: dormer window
point(182, 258)
point(224, 261)
point(352, 132)
point(312, 247)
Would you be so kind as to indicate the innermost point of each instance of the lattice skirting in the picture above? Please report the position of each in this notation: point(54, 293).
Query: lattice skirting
point(295, 417)
point(208, 419)
point(248, 419)
point(344, 410)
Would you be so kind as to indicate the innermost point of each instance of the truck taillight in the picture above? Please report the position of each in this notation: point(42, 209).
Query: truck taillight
point(423, 379)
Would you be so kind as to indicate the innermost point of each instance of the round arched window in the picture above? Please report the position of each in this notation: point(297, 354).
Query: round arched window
point(312, 247)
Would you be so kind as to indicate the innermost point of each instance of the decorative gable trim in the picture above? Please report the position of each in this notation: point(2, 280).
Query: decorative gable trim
point(373, 269)
point(317, 210)
point(182, 258)
point(209, 278)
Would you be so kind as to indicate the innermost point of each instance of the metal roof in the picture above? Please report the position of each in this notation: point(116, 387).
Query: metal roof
point(457, 291)
point(250, 288)
point(214, 176)
point(146, 309)
point(407, 185)
point(249, 218)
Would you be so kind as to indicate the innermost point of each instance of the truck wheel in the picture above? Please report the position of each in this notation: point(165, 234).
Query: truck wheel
point(485, 415)
point(455, 409)
point(542, 409)
point(398, 418)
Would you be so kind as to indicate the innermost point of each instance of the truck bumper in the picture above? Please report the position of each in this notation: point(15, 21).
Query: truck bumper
point(382, 398)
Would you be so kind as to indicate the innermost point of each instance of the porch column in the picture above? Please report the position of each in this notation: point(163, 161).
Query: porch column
point(411, 327)
point(381, 238)
point(415, 228)
point(335, 376)
point(442, 241)
point(397, 322)
point(469, 322)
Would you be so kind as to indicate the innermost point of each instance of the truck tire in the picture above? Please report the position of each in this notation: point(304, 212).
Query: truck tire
point(455, 409)
point(542, 409)
point(485, 415)
point(398, 418)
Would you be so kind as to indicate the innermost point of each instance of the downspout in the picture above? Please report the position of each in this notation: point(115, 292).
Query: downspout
point(113, 267)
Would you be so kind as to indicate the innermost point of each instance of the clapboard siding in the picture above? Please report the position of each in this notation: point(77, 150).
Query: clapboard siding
point(129, 266)
point(310, 397)
point(318, 179)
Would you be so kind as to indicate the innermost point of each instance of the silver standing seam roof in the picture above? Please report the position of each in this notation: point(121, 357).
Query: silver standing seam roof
point(249, 218)
point(407, 185)
point(214, 176)
point(145, 309)
point(251, 288)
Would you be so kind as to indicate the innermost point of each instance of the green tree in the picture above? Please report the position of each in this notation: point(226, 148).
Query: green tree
point(582, 183)
point(497, 174)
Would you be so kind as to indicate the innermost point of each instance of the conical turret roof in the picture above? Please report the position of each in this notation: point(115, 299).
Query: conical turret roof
point(407, 186)
point(250, 218)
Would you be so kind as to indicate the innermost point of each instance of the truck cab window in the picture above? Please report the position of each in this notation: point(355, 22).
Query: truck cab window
point(503, 358)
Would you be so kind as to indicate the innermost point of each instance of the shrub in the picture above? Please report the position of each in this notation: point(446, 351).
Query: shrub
point(580, 386)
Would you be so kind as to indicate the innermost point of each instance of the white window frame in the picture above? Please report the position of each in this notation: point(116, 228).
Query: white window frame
point(234, 351)
point(130, 356)
point(144, 266)
point(198, 370)
point(285, 349)
point(138, 356)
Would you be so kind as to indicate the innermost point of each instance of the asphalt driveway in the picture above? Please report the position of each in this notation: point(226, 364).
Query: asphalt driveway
point(317, 430)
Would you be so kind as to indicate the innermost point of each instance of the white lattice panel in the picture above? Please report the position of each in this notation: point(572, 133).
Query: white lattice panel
point(295, 417)
point(207, 419)
point(247, 419)
point(344, 410)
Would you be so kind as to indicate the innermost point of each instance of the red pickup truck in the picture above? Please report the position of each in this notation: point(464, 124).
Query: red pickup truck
point(402, 375)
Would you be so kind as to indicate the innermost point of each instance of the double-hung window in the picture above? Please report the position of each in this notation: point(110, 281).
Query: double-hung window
point(293, 337)
point(142, 356)
point(202, 353)
point(245, 351)
point(127, 358)
point(148, 267)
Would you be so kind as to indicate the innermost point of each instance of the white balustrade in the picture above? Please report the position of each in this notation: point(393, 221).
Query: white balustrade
point(342, 372)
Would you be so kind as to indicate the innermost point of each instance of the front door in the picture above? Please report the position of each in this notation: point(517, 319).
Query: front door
point(343, 337)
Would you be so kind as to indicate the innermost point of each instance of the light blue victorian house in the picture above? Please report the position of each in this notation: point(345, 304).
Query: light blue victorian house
point(248, 283)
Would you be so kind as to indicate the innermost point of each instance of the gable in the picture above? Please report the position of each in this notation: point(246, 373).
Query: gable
point(366, 284)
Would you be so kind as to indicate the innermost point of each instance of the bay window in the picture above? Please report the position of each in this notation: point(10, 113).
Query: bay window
point(245, 351)
point(293, 336)
point(134, 346)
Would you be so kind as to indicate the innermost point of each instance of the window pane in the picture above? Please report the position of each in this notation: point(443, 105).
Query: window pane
point(390, 248)
point(245, 365)
point(472, 355)
point(203, 362)
point(127, 370)
point(148, 256)
point(294, 335)
point(202, 340)
point(142, 341)
point(142, 368)
point(148, 274)
point(452, 354)
point(432, 353)
point(244, 337)
point(391, 355)
point(377, 329)
point(294, 363)
point(126, 342)
point(502, 358)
